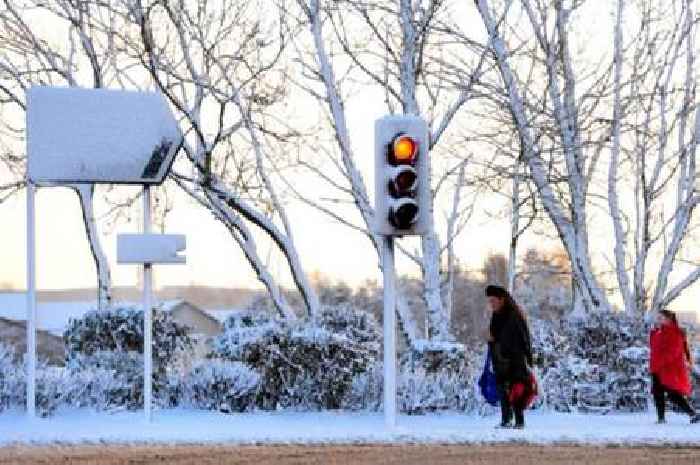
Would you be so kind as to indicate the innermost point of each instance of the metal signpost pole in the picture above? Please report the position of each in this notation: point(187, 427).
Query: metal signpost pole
point(147, 313)
point(31, 302)
point(389, 332)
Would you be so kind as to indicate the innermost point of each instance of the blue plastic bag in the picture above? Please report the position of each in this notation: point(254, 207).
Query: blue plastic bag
point(487, 382)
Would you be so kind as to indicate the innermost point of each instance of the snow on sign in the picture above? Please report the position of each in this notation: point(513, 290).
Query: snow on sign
point(99, 136)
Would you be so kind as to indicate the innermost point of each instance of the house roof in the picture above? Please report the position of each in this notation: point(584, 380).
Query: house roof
point(54, 316)
point(221, 314)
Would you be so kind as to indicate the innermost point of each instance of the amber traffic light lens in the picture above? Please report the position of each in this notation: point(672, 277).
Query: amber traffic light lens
point(404, 149)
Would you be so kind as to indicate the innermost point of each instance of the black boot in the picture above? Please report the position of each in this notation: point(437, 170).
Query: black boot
point(506, 413)
point(519, 419)
point(659, 401)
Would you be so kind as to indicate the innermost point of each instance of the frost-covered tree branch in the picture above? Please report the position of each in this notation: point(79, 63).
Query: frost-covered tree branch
point(403, 50)
point(31, 59)
point(225, 60)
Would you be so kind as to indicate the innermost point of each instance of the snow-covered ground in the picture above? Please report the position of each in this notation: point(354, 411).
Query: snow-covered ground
point(196, 426)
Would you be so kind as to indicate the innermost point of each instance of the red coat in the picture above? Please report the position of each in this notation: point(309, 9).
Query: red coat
point(669, 358)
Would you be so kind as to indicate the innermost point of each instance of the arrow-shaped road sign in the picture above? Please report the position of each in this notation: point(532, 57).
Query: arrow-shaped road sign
point(99, 136)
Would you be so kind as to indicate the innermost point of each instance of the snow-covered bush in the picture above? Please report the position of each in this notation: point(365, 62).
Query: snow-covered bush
point(302, 363)
point(110, 380)
point(121, 329)
point(54, 389)
point(549, 343)
point(420, 391)
point(53, 385)
point(434, 357)
point(105, 354)
point(597, 364)
point(12, 380)
point(220, 385)
point(437, 375)
point(696, 377)
point(366, 390)
point(432, 377)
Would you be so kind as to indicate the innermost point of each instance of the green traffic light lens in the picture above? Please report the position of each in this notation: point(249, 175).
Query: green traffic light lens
point(404, 215)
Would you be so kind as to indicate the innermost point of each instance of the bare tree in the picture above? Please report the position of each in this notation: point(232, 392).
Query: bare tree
point(658, 105)
point(29, 58)
point(219, 66)
point(634, 101)
point(403, 49)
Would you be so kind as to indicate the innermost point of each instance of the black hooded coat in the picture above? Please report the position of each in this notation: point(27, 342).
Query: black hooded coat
point(511, 346)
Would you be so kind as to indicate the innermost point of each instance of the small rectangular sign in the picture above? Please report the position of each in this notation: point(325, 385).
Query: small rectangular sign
point(150, 248)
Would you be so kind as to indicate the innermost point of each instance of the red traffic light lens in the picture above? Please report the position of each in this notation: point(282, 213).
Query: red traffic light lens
point(404, 149)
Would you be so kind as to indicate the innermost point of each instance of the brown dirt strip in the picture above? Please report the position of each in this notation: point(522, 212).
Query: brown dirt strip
point(341, 455)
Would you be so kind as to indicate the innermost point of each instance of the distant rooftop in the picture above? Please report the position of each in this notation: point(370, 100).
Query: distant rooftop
point(201, 296)
point(54, 316)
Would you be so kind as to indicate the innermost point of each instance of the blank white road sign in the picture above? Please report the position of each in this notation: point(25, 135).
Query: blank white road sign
point(99, 136)
point(150, 248)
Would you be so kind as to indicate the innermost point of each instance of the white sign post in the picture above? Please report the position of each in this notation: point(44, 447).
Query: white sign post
point(31, 303)
point(95, 136)
point(147, 314)
point(147, 249)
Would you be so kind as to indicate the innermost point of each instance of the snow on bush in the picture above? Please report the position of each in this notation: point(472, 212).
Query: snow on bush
point(420, 391)
point(598, 364)
point(121, 329)
point(220, 385)
point(433, 376)
point(696, 376)
point(12, 384)
point(437, 375)
point(303, 364)
point(54, 389)
point(366, 390)
point(53, 385)
point(105, 358)
point(110, 380)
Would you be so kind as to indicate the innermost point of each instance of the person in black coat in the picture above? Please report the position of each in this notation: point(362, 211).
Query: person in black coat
point(511, 349)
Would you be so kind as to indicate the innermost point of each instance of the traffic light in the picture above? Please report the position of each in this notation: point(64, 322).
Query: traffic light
point(402, 181)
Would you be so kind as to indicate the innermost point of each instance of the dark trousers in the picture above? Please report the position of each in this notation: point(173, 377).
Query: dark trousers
point(660, 392)
point(508, 411)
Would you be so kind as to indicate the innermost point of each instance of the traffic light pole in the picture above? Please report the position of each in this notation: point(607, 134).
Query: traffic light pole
point(389, 331)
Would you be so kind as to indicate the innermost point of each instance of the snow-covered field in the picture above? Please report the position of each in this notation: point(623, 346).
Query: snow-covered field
point(195, 426)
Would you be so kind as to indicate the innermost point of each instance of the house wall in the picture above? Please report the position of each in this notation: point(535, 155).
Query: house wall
point(49, 347)
point(197, 320)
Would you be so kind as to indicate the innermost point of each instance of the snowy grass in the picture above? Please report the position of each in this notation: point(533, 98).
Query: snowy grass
point(197, 426)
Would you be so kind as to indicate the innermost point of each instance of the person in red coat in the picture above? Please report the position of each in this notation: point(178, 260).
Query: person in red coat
point(670, 366)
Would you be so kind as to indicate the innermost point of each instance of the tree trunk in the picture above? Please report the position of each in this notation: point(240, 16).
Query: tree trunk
point(104, 282)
